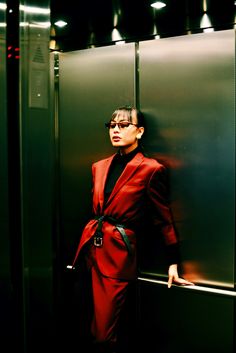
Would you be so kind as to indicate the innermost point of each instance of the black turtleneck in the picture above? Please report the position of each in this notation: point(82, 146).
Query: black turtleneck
point(117, 166)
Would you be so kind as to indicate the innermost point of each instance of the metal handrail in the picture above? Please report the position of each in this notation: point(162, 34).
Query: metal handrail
point(225, 292)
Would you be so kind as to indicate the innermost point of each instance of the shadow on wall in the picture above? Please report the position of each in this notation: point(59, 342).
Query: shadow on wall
point(155, 144)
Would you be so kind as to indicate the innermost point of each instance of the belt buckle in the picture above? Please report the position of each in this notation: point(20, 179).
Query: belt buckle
point(97, 241)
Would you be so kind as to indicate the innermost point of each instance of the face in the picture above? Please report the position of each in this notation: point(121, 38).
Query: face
point(126, 135)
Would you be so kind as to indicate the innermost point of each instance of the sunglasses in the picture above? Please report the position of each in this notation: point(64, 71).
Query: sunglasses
point(121, 125)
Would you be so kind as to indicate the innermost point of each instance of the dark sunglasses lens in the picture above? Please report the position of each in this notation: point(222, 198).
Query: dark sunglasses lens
point(124, 124)
point(121, 125)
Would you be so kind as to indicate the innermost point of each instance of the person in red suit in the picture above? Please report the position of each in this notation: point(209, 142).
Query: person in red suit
point(126, 186)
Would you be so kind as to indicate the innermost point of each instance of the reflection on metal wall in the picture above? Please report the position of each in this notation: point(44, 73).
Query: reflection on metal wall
point(4, 257)
point(5, 280)
point(184, 320)
point(37, 163)
point(187, 93)
point(93, 83)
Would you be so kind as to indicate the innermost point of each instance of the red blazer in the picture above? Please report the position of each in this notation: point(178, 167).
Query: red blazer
point(141, 183)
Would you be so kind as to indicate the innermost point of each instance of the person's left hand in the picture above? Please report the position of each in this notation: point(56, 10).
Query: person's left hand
point(173, 277)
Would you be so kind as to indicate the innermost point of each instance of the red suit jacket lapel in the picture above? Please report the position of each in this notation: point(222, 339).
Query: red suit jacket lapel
point(101, 176)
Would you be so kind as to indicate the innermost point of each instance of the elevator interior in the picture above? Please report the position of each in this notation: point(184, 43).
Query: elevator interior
point(185, 85)
point(186, 90)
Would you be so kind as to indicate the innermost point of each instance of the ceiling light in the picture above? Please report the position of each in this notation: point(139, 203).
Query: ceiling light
point(115, 35)
point(158, 5)
point(60, 23)
point(3, 6)
point(205, 21)
point(37, 10)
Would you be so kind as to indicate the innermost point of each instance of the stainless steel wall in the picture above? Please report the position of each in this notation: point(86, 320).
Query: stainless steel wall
point(185, 320)
point(187, 91)
point(37, 176)
point(5, 281)
point(3, 147)
point(26, 178)
point(31, 161)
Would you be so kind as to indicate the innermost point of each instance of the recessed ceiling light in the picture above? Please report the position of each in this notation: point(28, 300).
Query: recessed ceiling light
point(3, 6)
point(60, 23)
point(158, 5)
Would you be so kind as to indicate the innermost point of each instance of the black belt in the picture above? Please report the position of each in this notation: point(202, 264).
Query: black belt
point(98, 236)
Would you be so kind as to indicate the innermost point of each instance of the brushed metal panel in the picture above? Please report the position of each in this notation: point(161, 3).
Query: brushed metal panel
point(179, 320)
point(187, 93)
point(4, 217)
point(37, 163)
point(92, 83)
point(7, 314)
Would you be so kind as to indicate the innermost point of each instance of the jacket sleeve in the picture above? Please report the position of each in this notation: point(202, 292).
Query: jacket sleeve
point(161, 212)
